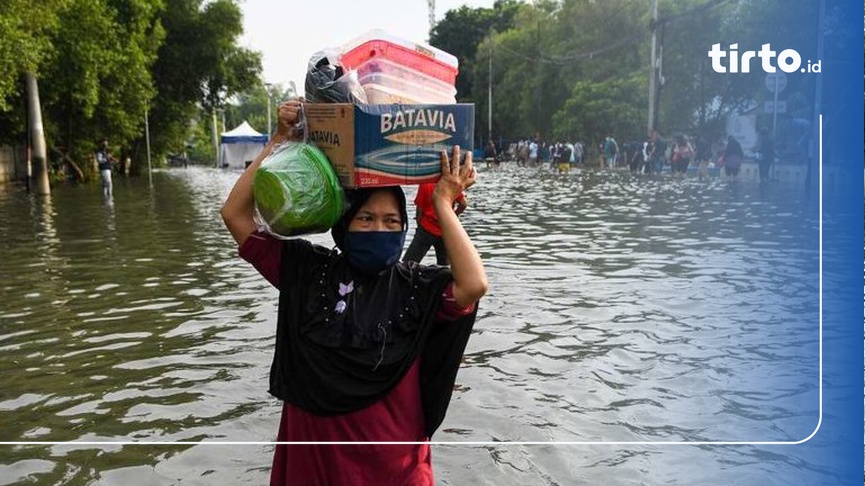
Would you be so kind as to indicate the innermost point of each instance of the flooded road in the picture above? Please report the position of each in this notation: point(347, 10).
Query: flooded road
point(627, 317)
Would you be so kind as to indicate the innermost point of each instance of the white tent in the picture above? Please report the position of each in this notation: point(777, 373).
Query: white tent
point(239, 146)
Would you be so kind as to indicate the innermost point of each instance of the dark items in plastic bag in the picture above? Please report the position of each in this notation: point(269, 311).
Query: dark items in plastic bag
point(328, 82)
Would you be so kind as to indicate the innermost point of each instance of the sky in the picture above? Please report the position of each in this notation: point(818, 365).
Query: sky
point(287, 33)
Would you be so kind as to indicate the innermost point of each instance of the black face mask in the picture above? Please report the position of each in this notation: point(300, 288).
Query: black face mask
point(373, 251)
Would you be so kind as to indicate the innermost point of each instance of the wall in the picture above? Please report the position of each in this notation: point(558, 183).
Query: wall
point(13, 164)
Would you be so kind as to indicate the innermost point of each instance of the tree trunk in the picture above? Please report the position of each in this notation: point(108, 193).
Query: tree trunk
point(66, 158)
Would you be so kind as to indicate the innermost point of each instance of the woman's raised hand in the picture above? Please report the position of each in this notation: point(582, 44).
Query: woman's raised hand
point(458, 174)
point(288, 115)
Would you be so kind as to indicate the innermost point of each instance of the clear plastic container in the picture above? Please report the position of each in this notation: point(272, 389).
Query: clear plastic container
point(423, 58)
point(406, 85)
point(401, 77)
point(382, 89)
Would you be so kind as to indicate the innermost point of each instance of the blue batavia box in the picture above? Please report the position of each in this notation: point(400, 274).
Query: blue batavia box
point(387, 145)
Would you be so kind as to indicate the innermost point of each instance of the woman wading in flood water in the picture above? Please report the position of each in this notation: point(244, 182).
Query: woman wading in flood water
point(367, 347)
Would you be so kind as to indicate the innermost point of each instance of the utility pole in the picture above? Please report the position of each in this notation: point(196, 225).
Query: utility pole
point(652, 67)
point(215, 138)
point(537, 110)
point(147, 141)
point(490, 95)
point(267, 89)
point(37, 136)
point(431, 5)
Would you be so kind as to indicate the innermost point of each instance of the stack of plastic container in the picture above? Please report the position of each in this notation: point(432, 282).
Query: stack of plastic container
point(394, 70)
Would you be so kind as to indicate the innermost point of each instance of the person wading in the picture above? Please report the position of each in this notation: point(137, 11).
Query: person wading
point(367, 347)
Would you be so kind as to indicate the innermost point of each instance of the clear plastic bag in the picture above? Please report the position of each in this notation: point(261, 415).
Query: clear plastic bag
point(296, 191)
point(328, 82)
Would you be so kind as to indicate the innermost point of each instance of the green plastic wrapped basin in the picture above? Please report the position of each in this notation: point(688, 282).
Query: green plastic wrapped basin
point(296, 191)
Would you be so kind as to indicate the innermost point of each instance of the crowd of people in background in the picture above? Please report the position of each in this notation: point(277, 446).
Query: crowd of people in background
point(650, 156)
point(533, 152)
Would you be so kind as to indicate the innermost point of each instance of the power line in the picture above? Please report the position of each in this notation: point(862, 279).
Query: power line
point(573, 58)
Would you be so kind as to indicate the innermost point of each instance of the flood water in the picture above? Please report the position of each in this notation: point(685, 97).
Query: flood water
point(627, 316)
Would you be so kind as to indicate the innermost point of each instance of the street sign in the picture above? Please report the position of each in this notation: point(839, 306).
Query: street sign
point(776, 81)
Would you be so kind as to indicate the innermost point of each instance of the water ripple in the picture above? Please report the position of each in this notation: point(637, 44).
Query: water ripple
point(620, 309)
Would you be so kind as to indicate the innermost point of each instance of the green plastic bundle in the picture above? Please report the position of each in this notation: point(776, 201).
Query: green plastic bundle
point(296, 191)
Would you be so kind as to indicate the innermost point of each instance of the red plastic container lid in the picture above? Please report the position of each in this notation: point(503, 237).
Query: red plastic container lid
point(420, 57)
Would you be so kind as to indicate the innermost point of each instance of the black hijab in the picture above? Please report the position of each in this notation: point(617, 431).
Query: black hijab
point(329, 363)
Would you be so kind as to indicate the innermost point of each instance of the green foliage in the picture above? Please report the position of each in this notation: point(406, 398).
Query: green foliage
point(573, 69)
point(598, 109)
point(549, 49)
point(92, 60)
point(102, 65)
point(198, 66)
point(462, 31)
point(25, 28)
point(199, 149)
point(580, 68)
point(97, 83)
point(251, 106)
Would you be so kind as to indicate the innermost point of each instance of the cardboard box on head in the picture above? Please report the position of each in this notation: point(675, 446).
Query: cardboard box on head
point(386, 145)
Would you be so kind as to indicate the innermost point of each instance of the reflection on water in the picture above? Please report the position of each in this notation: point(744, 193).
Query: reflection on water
point(620, 309)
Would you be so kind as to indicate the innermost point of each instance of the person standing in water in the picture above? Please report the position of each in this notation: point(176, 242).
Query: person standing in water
point(367, 347)
point(428, 232)
point(765, 154)
point(104, 163)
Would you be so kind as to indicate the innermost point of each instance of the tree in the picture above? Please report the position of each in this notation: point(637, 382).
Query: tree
point(97, 82)
point(103, 64)
point(25, 28)
point(92, 59)
point(461, 31)
point(199, 67)
point(597, 109)
point(548, 51)
point(549, 48)
point(251, 106)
